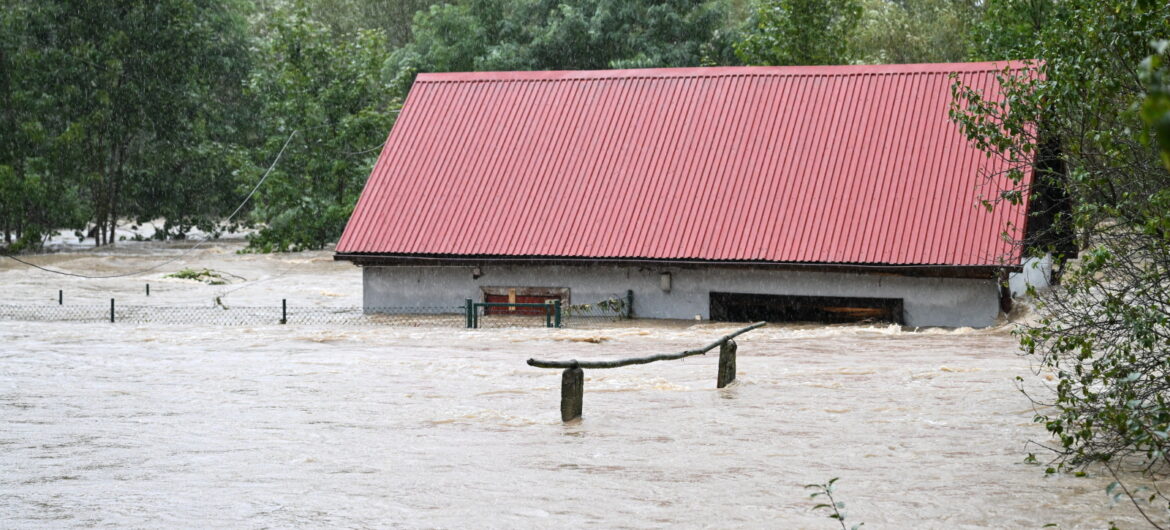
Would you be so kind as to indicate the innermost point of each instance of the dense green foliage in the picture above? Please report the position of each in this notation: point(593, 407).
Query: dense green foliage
point(803, 32)
point(347, 17)
point(1013, 29)
point(29, 187)
point(117, 107)
point(800, 32)
point(916, 31)
point(1097, 121)
point(333, 91)
point(173, 110)
point(1155, 110)
point(542, 35)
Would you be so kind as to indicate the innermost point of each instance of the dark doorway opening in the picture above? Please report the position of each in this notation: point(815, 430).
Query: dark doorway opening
point(743, 307)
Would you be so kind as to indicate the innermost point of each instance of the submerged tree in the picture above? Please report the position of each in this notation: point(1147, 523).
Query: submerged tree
point(1104, 334)
point(111, 106)
point(34, 197)
point(136, 84)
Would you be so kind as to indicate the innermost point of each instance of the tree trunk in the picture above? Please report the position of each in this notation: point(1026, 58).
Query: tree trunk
point(97, 152)
point(99, 215)
point(119, 165)
point(112, 206)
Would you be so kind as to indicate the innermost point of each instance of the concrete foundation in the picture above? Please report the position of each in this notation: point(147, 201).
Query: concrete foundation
point(685, 294)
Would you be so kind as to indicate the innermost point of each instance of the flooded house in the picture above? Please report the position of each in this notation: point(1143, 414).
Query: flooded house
point(825, 193)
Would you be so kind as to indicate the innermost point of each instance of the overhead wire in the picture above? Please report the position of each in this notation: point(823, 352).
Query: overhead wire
point(189, 250)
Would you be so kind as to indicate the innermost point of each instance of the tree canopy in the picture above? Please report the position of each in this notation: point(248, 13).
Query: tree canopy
point(174, 109)
point(330, 94)
point(800, 32)
point(1096, 124)
point(117, 106)
point(546, 35)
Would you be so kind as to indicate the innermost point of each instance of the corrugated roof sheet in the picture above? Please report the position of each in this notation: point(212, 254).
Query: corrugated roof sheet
point(831, 164)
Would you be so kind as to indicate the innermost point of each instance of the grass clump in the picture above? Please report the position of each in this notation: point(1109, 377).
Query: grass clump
point(207, 276)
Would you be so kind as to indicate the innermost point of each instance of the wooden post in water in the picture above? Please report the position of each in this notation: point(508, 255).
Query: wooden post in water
point(573, 378)
point(60, 297)
point(726, 364)
point(572, 392)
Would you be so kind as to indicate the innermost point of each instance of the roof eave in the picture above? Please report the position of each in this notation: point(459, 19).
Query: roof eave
point(909, 269)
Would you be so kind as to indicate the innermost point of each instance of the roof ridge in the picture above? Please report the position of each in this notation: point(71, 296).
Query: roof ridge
point(726, 71)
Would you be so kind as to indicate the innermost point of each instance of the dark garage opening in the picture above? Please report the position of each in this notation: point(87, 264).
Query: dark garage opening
point(743, 307)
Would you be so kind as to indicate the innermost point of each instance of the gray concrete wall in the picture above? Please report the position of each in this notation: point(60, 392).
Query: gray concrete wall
point(927, 301)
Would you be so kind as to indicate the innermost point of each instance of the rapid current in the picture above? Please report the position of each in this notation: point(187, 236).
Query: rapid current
point(161, 425)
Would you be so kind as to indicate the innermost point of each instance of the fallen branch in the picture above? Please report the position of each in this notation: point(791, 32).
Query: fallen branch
point(643, 360)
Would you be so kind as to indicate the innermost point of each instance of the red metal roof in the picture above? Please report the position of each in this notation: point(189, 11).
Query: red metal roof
point(830, 164)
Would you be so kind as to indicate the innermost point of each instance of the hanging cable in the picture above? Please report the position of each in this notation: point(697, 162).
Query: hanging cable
point(246, 199)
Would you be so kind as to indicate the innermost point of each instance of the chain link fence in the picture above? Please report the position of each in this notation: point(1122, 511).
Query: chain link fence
point(584, 315)
point(601, 313)
point(595, 314)
point(452, 316)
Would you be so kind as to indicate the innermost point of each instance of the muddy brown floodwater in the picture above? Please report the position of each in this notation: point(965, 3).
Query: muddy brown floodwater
point(125, 425)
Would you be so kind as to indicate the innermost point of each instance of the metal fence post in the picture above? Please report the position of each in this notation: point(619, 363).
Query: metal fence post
point(111, 310)
point(548, 311)
point(284, 311)
point(468, 309)
point(629, 303)
point(557, 312)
